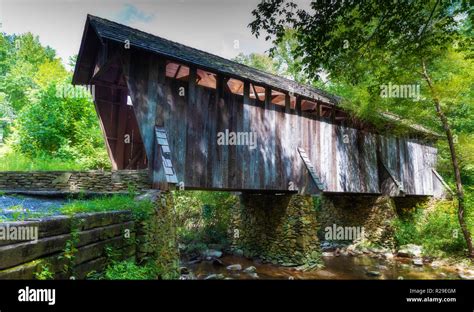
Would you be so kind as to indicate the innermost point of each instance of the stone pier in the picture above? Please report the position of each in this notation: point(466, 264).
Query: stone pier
point(280, 229)
point(374, 213)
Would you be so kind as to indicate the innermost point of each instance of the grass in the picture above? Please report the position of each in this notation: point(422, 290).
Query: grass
point(140, 209)
point(11, 161)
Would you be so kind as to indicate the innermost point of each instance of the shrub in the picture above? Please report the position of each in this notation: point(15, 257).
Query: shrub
point(440, 231)
point(60, 127)
point(436, 228)
point(203, 217)
point(129, 270)
point(44, 274)
point(405, 232)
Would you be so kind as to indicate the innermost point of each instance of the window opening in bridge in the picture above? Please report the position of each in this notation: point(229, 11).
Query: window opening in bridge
point(236, 86)
point(206, 79)
point(257, 92)
point(308, 106)
point(325, 111)
point(177, 71)
point(341, 116)
point(278, 98)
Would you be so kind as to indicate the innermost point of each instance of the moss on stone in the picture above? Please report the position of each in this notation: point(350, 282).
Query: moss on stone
point(280, 229)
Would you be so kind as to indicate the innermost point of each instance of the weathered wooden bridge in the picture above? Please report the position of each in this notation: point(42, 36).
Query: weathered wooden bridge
point(190, 116)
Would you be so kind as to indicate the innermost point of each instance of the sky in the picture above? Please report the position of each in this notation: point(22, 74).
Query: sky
point(214, 26)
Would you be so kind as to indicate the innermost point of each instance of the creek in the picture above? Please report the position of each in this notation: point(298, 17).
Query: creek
point(335, 267)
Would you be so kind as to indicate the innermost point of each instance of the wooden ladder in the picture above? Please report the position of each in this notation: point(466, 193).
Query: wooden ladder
point(311, 170)
point(165, 153)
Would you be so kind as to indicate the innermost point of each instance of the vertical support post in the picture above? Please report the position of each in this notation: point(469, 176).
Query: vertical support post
point(268, 97)
point(287, 103)
point(192, 86)
point(246, 92)
point(298, 105)
point(333, 114)
point(161, 71)
point(219, 88)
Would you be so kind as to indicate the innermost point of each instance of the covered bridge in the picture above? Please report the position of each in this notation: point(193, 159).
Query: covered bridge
point(203, 122)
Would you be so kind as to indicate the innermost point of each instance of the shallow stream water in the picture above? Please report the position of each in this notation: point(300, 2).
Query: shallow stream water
point(340, 267)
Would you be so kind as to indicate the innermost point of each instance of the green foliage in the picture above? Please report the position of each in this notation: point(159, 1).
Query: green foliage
point(433, 226)
point(129, 270)
point(406, 232)
point(203, 218)
point(12, 161)
point(51, 120)
point(140, 209)
point(44, 274)
point(364, 46)
point(70, 249)
point(158, 239)
point(17, 212)
point(68, 131)
point(317, 203)
point(23, 56)
point(258, 61)
point(283, 60)
point(442, 234)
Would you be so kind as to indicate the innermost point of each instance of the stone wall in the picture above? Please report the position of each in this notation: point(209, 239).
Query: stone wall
point(67, 245)
point(74, 181)
point(156, 236)
point(76, 245)
point(280, 229)
point(375, 214)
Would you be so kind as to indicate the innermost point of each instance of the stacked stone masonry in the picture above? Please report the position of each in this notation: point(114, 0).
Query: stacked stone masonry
point(280, 229)
point(75, 181)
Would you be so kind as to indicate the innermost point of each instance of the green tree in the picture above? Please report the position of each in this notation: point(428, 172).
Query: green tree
point(258, 61)
point(51, 118)
point(21, 57)
point(367, 44)
point(6, 48)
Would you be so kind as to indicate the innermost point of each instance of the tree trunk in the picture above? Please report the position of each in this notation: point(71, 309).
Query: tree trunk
point(454, 161)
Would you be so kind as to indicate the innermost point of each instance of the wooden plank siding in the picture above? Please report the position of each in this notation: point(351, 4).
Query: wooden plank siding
point(410, 162)
point(345, 159)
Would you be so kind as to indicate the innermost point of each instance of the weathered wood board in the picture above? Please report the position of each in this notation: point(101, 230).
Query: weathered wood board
point(410, 162)
point(263, 156)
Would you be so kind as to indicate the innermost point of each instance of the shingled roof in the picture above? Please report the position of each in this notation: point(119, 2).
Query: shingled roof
point(139, 39)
